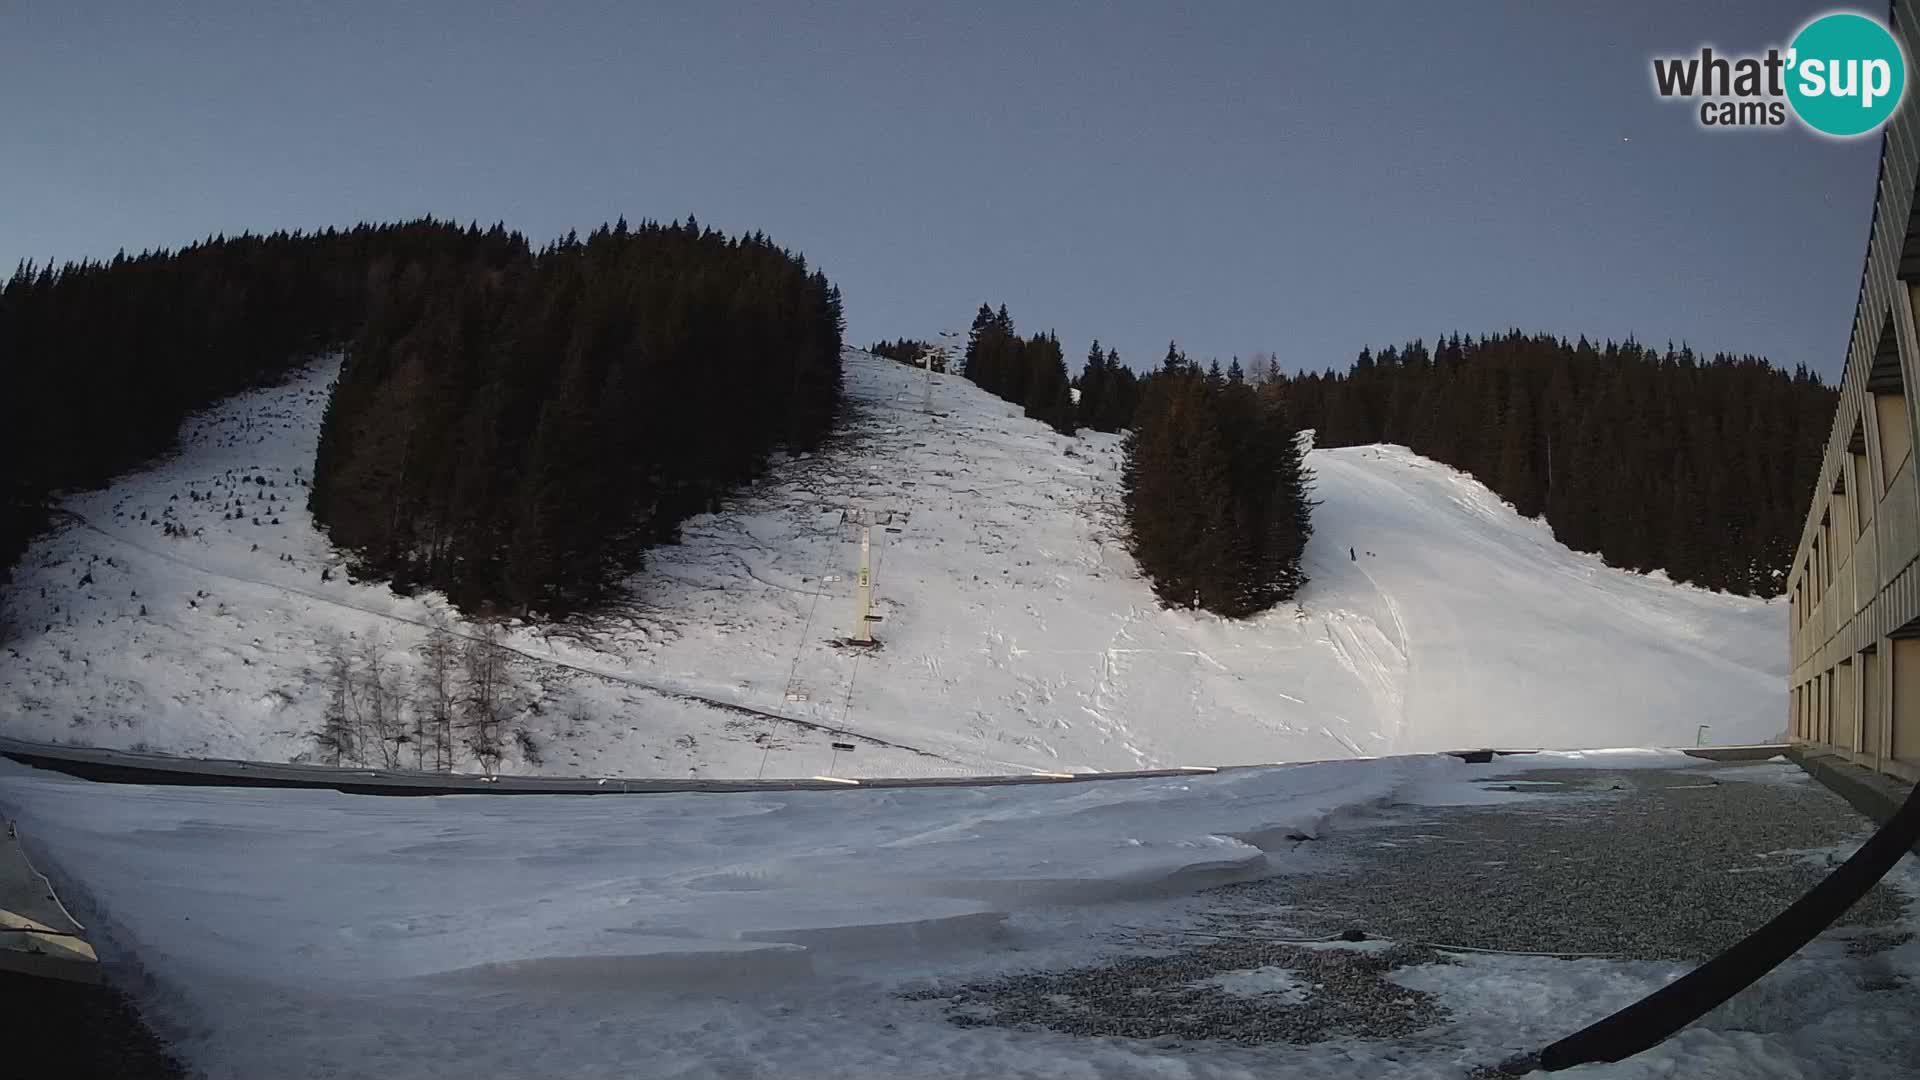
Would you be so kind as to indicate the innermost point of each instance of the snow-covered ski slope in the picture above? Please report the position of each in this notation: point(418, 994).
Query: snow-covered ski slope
point(1016, 631)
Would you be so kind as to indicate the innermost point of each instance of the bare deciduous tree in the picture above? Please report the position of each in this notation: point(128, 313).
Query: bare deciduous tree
point(383, 727)
point(439, 698)
point(338, 737)
point(490, 697)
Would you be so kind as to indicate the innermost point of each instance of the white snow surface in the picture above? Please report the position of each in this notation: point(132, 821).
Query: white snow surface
point(293, 933)
point(1017, 633)
point(298, 933)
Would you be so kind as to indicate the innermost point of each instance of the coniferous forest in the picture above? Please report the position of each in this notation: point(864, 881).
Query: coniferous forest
point(103, 359)
point(1109, 391)
point(909, 351)
point(1215, 490)
point(1651, 458)
point(504, 417)
point(516, 435)
point(1030, 372)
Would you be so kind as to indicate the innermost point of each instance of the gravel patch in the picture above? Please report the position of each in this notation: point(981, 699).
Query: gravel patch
point(1637, 864)
point(1873, 943)
point(1180, 998)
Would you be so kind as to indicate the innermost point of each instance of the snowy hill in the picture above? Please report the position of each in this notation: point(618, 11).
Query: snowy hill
point(1017, 634)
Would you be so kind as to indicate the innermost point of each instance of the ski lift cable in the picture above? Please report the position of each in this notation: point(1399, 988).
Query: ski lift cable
point(846, 707)
point(806, 628)
point(799, 648)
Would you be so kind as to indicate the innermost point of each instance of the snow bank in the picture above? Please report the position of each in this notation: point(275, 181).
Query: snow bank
point(266, 916)
point(293, 933)
point(300, 885)
point(1807, 1018)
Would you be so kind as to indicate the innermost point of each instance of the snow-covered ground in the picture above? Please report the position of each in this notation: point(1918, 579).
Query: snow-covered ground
point(1017, 634)
point(308, 933)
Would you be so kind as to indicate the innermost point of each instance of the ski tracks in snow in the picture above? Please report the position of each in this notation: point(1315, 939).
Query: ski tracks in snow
point(1403, 691)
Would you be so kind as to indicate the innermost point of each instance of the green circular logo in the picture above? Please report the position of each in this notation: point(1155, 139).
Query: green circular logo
point(1845, 74)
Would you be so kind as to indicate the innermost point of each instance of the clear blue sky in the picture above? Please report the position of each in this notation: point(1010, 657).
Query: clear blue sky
point(1305, 178)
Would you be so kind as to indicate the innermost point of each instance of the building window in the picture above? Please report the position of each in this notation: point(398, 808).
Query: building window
point(1816, 571)
point(1826, 548)
point(1857, 479)
point(1888, 387)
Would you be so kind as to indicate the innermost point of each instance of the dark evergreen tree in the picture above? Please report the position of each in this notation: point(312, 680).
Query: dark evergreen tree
point(1108, 391)
point(1216, 492)
point(1092, 385)
point(1048, 397)
point(1123, 395)
point(1175, 359)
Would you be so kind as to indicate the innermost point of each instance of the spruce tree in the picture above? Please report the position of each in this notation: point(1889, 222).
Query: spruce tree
point(1093, 387)
point(1215, 493)
point(1047, 396)
point(1123, 394)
